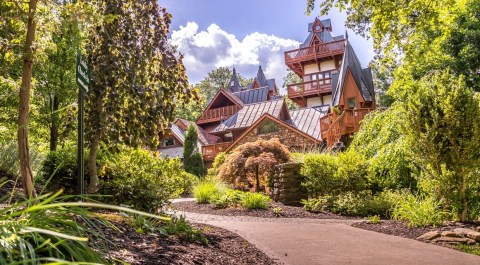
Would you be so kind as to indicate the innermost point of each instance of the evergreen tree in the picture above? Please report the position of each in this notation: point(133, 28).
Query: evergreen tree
point(192, 159)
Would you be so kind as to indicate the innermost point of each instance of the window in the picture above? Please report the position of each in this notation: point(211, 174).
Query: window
point(168, 142)
point(351, 103)
point(267, 126)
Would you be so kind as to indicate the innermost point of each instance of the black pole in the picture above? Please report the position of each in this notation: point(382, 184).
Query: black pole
point(80, 161)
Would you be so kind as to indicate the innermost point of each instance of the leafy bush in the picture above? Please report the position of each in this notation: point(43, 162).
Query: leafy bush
point(352, 171)
point(60, 170)
point(206, 190)
point(319, 204)
point(420, 211)
point(136, 178)
point(180, 227)
point(277, 211)
point(319, 172)
point(217, 163)
point(373, 219)
point(254, 201)
point(250, 165)
point(350, 203)
point(227, 198)
point(9, 162)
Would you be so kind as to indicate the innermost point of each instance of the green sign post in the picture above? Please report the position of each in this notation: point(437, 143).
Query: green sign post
point(83, 82)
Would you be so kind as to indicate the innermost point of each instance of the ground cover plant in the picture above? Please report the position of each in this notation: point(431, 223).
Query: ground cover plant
point(220, 196)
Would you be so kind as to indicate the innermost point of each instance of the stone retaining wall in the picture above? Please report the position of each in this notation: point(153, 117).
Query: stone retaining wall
point(286, 183)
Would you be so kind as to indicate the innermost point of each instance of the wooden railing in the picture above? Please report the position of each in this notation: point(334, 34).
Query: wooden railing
point(218, 114)
point(315, 51)
point(334, 126)
point(210, 151)
point(314, 87)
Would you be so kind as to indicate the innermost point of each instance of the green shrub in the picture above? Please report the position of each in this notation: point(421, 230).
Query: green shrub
point(9, 162)
point(420, 211)
point(319, 172)
point(192, 159)
point(373, 219)
point(319, 204)
point(136, 178)
point(60, 170)
point(207, 190)
point(352, 171)
point(217, 163)
point(254, 201)
point(184, 230)
point(277, 211)
point(350, 203)
point(227, 198)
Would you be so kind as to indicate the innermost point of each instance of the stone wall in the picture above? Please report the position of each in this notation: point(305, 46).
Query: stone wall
point(286, 183)
point(286, 136)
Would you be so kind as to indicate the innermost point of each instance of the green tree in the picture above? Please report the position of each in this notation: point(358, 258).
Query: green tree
point(443, 130)
point(192, 159)
point(218, 79)
point(138, 78)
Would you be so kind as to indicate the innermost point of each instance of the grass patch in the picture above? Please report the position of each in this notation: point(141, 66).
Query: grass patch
point(253, 201)
point(475, 249)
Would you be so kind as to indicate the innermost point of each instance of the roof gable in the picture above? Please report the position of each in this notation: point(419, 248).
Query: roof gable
point(276, 120)
point(362, 77)
point(221, 94)
point(234, 85)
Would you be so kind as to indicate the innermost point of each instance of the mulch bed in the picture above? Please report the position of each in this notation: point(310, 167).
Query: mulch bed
point(396, 228)
point(224, 248)
point(287, 211)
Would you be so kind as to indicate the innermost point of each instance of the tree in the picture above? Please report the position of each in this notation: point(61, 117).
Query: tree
point(24, 104)
point(192, 159)
point(444, 134)
point(218, 79)
point(250, 164)
point(138, 78)
point(289, 79)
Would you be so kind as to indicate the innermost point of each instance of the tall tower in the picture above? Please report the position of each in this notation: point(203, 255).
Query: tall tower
point(316, 62)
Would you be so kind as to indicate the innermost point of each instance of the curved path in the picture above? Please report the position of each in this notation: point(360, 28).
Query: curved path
point(331, 241)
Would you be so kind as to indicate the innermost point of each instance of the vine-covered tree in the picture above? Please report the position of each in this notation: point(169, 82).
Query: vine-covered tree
point(250, 165)
point(192, 159)
point(138, 78)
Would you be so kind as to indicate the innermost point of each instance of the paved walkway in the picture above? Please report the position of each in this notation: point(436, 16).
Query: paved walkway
point(316, 241)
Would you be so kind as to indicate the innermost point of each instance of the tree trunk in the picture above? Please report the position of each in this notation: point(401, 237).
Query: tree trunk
point(24, 105)
point(54, 125)
point(463, 194)
point(92, 158)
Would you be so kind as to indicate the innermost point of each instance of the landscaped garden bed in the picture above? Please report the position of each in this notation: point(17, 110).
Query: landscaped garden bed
point(285, 212)
point(223, 247)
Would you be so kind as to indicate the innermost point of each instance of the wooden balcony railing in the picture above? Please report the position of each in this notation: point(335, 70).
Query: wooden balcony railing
point(218, 114)
point(210, 151)
point(314, 87)
point(333, 126)
point(315, 51)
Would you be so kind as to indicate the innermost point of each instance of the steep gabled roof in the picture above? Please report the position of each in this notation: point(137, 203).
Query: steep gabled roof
point(253, 95)
point(323, 35)
point(278, 121)
point(203, 137)
point(362, 77)
point(262, 81)
point(234, 85)
point(234, 99)
point(250, 113)
point(307, 120)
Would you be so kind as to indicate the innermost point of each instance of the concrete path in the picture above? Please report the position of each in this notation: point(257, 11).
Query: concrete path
point(316, 241)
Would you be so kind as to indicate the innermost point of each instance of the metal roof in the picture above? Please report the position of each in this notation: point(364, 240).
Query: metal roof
point(324, 35)
point(253, 95)
point(307, 120)
point(234, 85)
point(250, 113)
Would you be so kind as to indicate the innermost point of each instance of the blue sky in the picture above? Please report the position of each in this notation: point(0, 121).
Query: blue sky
point(245, 34)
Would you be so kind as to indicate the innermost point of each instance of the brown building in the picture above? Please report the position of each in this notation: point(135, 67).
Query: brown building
point(335, 95)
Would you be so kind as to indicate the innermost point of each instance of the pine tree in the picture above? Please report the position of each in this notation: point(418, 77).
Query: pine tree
point(192, 159)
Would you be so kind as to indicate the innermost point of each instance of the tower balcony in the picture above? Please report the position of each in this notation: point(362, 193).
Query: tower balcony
point(218, 114)
point(315, 52)
point(313, 87)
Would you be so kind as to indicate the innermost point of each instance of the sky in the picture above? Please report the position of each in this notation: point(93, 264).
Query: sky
point(247, 33)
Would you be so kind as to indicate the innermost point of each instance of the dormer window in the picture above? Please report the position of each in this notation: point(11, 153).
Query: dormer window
point(232, 83)
point(167, 142)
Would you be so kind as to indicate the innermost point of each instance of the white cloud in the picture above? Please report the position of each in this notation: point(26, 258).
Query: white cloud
point(206, 50)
